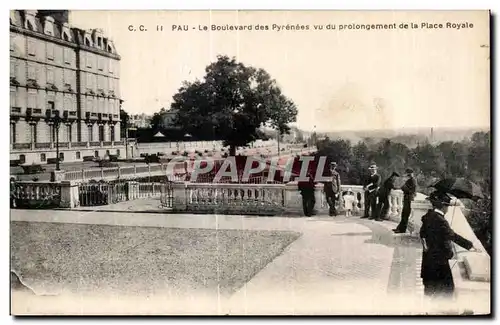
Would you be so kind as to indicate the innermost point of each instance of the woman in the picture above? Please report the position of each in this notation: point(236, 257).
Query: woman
point(437, 235)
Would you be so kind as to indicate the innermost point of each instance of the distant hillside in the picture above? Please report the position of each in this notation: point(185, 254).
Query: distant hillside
point(411, 137)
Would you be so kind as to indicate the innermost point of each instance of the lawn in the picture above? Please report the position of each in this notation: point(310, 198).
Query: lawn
point(141, 260)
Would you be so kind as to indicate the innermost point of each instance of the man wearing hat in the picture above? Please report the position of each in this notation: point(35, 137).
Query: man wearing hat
point(436, 236)
point(371, 190)
point(383, 197)
point(409, 191)
point(332, 188)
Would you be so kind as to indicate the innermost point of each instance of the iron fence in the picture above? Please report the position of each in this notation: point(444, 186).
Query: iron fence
point(102, 193)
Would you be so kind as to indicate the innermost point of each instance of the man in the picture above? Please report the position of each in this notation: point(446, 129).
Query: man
point(307, 189)
point(383, 197)
point(436, 236)
point(371, 190)
point(409, 191)
point(332, 189)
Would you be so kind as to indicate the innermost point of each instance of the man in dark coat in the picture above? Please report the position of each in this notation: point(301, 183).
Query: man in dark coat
point(307, 190)
point(383, 197)
point(332, 188)
point(409, 191)
point(371, 193)
point(437, 237)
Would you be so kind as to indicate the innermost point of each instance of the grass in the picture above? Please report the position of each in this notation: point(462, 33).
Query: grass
point(141, 260)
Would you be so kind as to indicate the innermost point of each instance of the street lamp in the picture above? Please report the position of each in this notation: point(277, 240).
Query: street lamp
point(57, 122)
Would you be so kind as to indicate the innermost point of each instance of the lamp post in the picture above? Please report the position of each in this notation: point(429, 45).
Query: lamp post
point(57, 121)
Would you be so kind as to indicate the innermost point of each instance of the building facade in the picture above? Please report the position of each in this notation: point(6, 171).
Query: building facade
point(64, 90)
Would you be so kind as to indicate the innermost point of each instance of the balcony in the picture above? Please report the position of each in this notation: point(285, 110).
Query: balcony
point(79, 144)
point(63, 145)
point(21, 146)
point(95, 143)
point(15, 111)
point(42, 145)
point(107, 143)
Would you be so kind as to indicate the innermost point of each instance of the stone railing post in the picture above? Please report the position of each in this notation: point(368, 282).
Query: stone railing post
point(132, 190)
point(135, 170)
point(57, 176)
point(293, 199)
point(102, 172)
point(69, 195)
point(119, 172)
point(180, 196)
point(83, 174)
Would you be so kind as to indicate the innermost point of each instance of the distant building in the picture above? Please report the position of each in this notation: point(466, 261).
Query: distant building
point(140, 120)
point(168, 119)
point(63, 74)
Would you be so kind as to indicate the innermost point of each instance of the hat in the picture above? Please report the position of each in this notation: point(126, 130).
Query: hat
point(409, 171)
point(333, 163)
point(439, 197)
point(373, 166)
point(394, 174)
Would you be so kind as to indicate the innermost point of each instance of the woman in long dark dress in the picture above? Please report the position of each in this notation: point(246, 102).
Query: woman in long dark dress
point(437, 237)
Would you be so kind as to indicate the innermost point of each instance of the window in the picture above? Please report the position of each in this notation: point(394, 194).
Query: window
point(61, 156)
point(70, 130)
point(31, 48)
point(34, 135)
point(88, 60)
point(31, 71)
point(13, 97)
point(32, 98)
point(110, 66)
point(13, 129)
point(67, 55)
point(107, 153)
point(91, 133)
point(50, 51)
point(68, 103)
point(90, 105)
point(50, 105)
point(50, 76)
point(118, 152)
point(13, 68)
point(43, 157)
point(101, 132)
point(78, 156)
point(96, 153)
point(22, 159)
point(112, 132)
point(90, 81)
point(100, 64)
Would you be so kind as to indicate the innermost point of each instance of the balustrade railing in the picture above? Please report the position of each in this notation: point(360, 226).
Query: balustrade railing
point(235, 198)
point(36, 195)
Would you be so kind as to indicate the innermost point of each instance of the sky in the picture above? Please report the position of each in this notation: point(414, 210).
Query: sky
point(339, 79)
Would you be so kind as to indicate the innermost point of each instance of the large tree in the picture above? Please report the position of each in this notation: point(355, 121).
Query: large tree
point(231, 103)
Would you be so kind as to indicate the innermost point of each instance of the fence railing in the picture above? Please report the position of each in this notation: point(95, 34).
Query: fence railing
point(243, 198)
point(35, 195)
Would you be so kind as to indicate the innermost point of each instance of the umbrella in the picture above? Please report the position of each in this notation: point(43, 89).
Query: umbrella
point(459, 187)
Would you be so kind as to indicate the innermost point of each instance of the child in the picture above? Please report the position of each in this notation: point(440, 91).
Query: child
point(349, 199)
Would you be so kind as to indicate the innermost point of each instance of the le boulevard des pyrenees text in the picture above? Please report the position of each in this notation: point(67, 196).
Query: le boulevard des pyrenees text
point(304, 27)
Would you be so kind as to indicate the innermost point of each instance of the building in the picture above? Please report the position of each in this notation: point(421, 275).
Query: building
point(64, 88)
point(168, 117)
point(140, 120)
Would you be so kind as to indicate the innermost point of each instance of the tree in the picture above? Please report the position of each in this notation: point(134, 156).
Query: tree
point(157, 120)
point(124, 123)
point(231, 103)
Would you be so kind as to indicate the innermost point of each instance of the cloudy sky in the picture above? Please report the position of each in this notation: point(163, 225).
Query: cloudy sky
point(339, 79)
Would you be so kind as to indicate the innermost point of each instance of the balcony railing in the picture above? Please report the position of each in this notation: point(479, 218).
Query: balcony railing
point(107, 143)
point(78, 144)
point(42, 145)
point(95, 143)
point(36, 195)
point(63, 145)
point(21, 146)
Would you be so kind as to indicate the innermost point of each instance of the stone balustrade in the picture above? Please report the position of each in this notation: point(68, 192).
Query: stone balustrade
point(36, 194)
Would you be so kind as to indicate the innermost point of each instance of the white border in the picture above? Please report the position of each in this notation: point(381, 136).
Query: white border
point(201, 4)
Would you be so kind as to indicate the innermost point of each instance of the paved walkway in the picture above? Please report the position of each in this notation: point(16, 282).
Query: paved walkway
point(338, 266)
